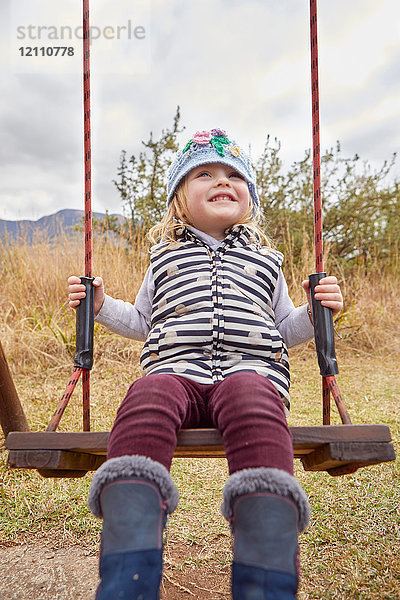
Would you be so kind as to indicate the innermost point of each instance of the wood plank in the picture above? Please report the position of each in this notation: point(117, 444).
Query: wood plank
point(199, 452)
point(337, 458)
point(54, 459)
point(323, 448)
point(335, 454)
point(93, 442)
point(96, 442)
point(323, 434)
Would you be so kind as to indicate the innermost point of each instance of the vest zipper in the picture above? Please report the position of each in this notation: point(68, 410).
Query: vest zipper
point(217, 317)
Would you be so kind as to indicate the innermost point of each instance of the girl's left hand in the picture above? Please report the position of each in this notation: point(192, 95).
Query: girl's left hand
point(328, 292)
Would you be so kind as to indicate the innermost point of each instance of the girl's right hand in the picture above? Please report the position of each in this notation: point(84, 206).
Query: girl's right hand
point(76, 291)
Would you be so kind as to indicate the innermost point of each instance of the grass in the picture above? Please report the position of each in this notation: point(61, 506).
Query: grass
point(352, 545)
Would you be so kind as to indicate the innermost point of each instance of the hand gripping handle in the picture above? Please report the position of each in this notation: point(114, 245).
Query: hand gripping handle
point(84, 327)
point(323, 331)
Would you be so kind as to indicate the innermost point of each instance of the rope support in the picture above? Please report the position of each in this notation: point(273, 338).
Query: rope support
point(88, 231)
point(329, 384)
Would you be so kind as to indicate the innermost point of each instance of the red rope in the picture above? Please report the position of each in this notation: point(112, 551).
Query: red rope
point(329, 384)
point(87, 142)
point(319, 255)
point(64, 399)
point(88, 231)
point(88, 192)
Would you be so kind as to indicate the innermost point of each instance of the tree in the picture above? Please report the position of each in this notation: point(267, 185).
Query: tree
point(358, 201)
point(141, 181)
point(360, 209)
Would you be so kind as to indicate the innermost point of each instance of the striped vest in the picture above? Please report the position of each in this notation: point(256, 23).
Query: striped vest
point(212, 311)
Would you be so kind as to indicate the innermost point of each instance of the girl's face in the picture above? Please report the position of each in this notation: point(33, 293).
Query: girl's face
point(217, 198)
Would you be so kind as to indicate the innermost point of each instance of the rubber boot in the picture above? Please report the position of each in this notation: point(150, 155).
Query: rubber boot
point(134, 495)
point(266, 509)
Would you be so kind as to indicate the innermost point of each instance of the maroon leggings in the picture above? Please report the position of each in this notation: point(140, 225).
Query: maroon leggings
point(245, 407)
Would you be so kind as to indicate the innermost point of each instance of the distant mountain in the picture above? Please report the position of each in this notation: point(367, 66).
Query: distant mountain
point(61, 222)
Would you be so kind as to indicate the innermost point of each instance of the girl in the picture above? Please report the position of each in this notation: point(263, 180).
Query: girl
point(217, 319)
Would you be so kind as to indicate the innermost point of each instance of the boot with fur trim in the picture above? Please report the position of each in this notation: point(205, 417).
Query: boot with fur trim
point(266, 509)
point(134, 496)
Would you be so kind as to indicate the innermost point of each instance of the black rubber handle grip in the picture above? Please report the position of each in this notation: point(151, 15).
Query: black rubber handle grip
point(85, 327)
point(323, 331)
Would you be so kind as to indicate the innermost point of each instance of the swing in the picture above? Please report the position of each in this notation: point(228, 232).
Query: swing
point(337, 449)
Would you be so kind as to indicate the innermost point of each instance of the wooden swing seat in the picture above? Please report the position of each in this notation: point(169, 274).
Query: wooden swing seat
point(337, 449)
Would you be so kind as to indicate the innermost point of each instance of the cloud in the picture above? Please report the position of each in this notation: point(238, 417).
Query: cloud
point(37, 120)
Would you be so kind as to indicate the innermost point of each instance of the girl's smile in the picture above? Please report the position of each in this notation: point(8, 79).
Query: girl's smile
point(217, 198)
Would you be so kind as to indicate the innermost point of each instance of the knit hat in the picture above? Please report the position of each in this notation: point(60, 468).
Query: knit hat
point(211, 147)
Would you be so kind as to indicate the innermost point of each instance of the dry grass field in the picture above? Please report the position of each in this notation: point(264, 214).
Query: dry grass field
point(49, 539)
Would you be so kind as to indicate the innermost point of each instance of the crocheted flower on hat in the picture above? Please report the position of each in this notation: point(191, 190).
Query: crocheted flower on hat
point(202, 137)
point(218, 132)
point(215, 137)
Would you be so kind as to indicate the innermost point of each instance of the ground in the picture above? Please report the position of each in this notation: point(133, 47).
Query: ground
point(36, 572)
point(40, 571)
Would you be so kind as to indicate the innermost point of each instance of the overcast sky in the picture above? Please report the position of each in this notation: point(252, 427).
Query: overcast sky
point(242, 65)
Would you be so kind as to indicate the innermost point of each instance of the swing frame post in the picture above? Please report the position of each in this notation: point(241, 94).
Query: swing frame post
point(12, 415)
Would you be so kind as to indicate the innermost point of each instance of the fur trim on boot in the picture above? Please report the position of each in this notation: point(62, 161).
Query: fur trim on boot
point(131, 467)
point(269, 480)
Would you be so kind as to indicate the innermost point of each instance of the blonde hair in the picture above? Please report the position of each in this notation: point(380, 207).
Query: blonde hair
point(170, 226)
